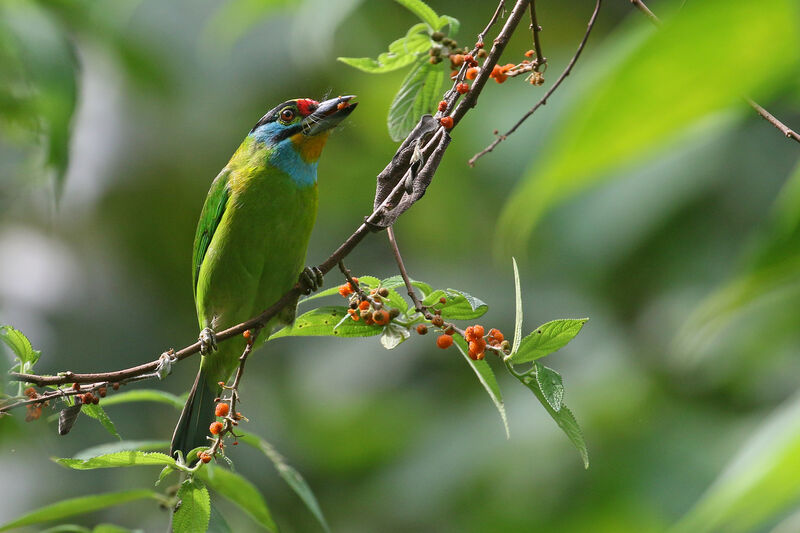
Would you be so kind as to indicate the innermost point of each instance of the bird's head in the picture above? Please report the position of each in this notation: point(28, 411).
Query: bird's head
point(302, 124)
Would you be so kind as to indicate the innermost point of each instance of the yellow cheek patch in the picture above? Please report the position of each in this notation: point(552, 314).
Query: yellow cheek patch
point(310, 148)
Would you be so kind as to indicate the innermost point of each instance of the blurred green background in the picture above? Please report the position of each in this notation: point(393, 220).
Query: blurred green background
point(685, 258)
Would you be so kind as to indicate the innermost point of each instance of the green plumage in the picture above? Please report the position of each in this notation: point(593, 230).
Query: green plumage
point(251, 240)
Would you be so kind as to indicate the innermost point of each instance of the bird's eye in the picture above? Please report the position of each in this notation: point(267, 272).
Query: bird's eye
point(287, 115)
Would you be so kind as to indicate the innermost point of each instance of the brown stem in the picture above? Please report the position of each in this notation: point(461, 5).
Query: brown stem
point(402, 267)
point(638, 4)
point(769, 117)
point(537, 46)
point(547, 95)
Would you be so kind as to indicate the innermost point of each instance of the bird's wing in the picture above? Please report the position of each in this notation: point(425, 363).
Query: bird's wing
point(210, 217)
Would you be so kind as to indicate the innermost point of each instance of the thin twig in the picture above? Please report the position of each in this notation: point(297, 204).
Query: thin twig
point(402, 267)
point(353, 284)
point(639, 4)
point(497, 14)
point(547, 95)
point(537, 46)
point(769, 117)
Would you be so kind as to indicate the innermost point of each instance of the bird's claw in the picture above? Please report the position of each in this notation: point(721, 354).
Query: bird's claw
point(311, 279)
point(208, 341)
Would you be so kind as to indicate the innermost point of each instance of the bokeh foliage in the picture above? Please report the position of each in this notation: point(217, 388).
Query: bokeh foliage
point(684, 258)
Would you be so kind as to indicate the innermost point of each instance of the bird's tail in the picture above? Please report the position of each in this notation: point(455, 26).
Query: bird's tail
point(196, 417)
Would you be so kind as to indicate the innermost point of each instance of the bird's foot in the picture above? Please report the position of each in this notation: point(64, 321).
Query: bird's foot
point(208, 341)
point(311, 279)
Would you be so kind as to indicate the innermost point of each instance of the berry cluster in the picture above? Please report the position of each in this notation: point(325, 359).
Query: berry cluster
point(34, 409)
point(369, 308)
point(219, 428)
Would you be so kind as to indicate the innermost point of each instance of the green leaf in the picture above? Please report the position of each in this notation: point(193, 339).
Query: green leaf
point(145, 395)
point(365, 282)
point(122, 446)
point(289, 474)
point(548, 338)
point(393, 335)
point(325, 321)
point(99, 414)
point(419, 94)
point(217, 522)
point(424, 12)
point(459, 305)
point(111, 528)
point(67, 528)
point(758, 485)
point(239, 491)
point(194, 511)
point(402, 52)
point(396, 282)
point(453, 22)
point(20, 346)
point(486, 377)
point(518, 307)
point(605, 128)
point(118, 459)
point(551, 385)
point(563, 417)
point(80, 505)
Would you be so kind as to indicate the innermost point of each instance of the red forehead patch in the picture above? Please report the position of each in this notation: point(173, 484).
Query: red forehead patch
point(306, 106)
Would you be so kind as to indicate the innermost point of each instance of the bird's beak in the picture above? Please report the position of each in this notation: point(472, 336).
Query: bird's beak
point(328, 114)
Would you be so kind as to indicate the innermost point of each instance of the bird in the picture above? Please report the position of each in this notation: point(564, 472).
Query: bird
point(250, 244)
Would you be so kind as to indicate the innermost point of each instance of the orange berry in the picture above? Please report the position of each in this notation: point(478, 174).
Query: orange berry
point(422, 329)
point(206, 458)
point(447, 122)
point(380, 317)
point(222, 409)
point(496, 71)
point(508, 66)
point(500, 78)
point(479, 45)
point(342, 105)
point(345, 290)
point(437, 321)
point(470, 60)
point(476, 349)
point(478, 330)
point(472, 73)
point(30, 392)
point(468, 333)
point(102, 391)
point(246, 334)
point(354, 315)
point(444, 341)
point(364, 305)
point(115, 386)
point(442, 105)
point(462, 88)
point(215, 428)
point(442, 300)
point(529, 53)
point(457, 59)
point(496, 335)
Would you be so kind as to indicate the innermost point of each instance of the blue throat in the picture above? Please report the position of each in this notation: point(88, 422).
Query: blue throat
point(284, 156)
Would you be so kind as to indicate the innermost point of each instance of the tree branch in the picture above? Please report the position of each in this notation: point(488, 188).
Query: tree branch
point(537, 46)
point(433, 151)
point(547, 95)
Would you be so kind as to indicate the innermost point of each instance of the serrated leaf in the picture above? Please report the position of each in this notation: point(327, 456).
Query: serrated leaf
point(563, 417)
point(240, 492)
point(548, 338)
point(99, 414)
point(145, 395)
point(21, 347)
point(418, 94)
point(122, 446)
point(459, 305)
point(194, 511)
point(393, 335)
point(325, 321)
point(396, 282)
point(77, 506)
point(289, 474)
point(117, 459)
point(551, 385)
point(423, 11)
point(487, 379)
point(402, 52)
point(518, 308)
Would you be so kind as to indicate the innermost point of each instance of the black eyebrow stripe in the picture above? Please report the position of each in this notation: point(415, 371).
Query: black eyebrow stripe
point(272, 114)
